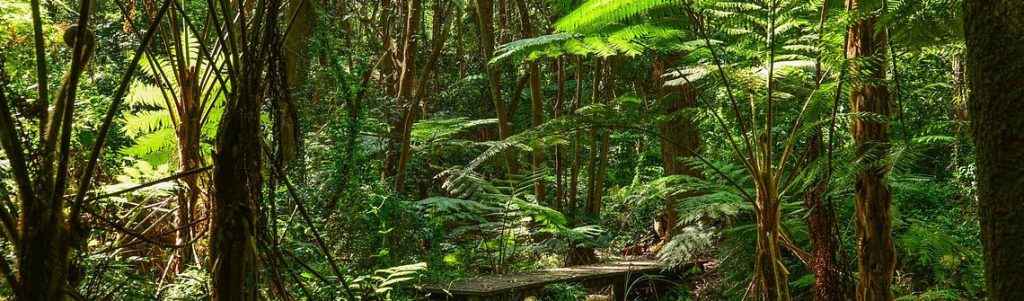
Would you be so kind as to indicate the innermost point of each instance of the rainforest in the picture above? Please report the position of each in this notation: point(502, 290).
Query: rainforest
point(542, 150)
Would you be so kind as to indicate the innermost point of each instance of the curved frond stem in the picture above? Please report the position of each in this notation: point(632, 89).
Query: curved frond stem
point(720, 121)
point(213, 66)
point(63, 118)
point(767, 144)
point(12, 147)
point(118, 98)
point(300, 206)
point(701, 31)
point(151, 183)
point(893, 56)
point(231, 52)
point(42, 74)
point(154, 66)
point(793, 133)
point(801, 254)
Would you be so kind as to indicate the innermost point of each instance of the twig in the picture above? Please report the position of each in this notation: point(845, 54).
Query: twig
point(309, 222)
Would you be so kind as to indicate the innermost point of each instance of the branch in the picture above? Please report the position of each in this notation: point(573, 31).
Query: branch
point(787, 242)
point(150, 183)
point(309, 222)
point(124, 229)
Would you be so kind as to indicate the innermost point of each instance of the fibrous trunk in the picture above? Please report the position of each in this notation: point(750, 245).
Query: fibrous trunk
point(869, 101)
point(771, 279)
point(188, 133)
point(995, 73)
point(821, 225)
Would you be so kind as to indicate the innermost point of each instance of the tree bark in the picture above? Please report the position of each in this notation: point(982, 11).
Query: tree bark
point(188, 132)
point(297, 61)
point(485, 14)
point(409, 114)
point(238, 187)
point(771, 279)
point(679, 136)
point(821, 225)
point(536, 101)
point(994, 32)
point(238, 167)
point(866, 45)
point(406, 81)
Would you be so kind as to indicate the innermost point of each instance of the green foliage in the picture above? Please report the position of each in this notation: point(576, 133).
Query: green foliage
point(383, 282)
point(154, 101)
point(463, 213)
point(507, 218)
point(192, 284)
point(564, 292)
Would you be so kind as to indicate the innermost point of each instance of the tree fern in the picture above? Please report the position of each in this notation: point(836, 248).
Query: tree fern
point(153, 102)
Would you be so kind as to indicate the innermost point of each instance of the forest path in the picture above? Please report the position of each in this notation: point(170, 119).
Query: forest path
point(520, 285)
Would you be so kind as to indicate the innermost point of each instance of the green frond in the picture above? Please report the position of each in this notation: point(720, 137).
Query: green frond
point(144, 95)
point(444, 128)
point(145, 122)
point(596, 14)
point(160, 142)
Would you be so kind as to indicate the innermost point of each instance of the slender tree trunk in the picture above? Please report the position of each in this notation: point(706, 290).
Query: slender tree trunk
point(536, 101)
point(188, 133)
point(866, 45)
point(389, 80)
point(409, 115)
point(574, 173)
point(556, 111)
point(995, 72)
point(821, 225)
point(485, 13)
point(406, 81)
point(410, 47)
point(460, 45)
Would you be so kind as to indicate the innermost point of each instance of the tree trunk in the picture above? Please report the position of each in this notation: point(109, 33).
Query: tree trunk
point(238, 166)
point(406, 81)
point(556, 111)
point(679, 136)
point(45, 240)
point(296, 54)
point(821, 225)
point(409, 114)
point(238, 192)
point(536, 101)
point(485, 13)
point(866, 45)
point(995, 71)
point(771, 279)
point(188, 132)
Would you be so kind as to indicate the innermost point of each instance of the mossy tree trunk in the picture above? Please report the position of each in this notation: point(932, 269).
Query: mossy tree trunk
point(995, 73)
point(238, 160)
